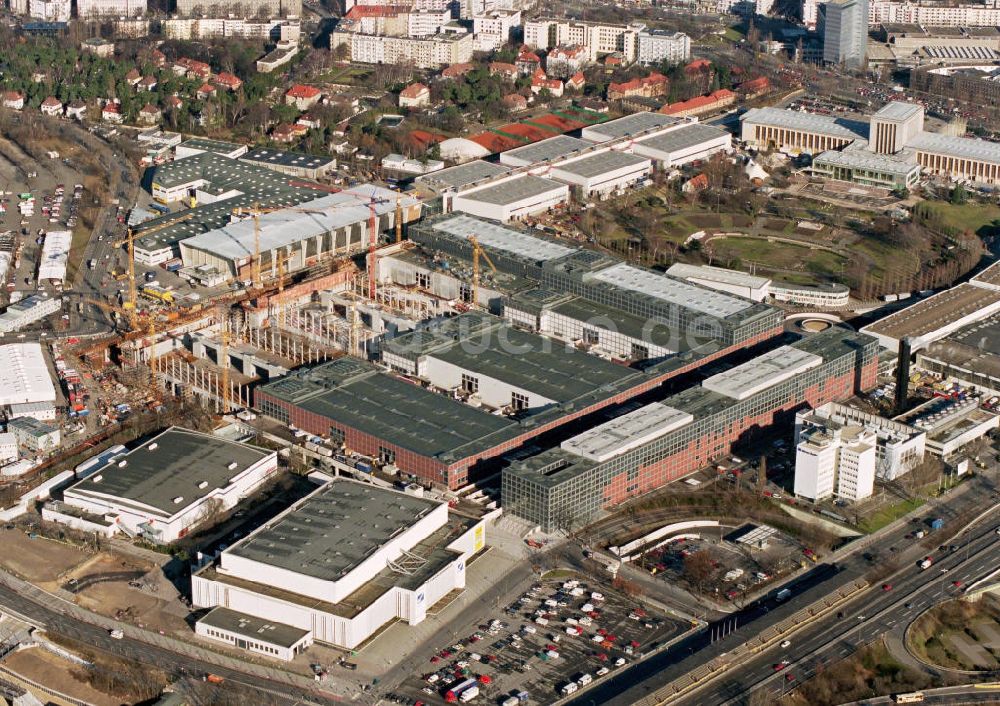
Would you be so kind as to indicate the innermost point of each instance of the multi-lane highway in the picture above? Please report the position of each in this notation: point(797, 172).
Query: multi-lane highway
point(894, 546)
point(912, 592)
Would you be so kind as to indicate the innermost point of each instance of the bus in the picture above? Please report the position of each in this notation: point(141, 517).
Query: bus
point(914, 697)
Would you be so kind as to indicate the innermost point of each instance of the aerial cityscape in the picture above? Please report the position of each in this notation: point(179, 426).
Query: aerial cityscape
point(499, 352)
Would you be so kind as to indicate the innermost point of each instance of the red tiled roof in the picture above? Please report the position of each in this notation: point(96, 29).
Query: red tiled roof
point(414, 90)
point(757, 84)
point(698, 102)
point(499, 67)
point(51, 101)
point(698, 65)
point(576, 79)
point(206, 88)
point(698, 182)
point(12, 95)
point(111, 108)
point(456, 70)
point(301, 91)
point(149, 108)
point(515, 100)
point(228, 79)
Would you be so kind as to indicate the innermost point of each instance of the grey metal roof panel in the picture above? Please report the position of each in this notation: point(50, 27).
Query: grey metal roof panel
point(253, 627)
point(632, 125)
point(514, 190)
point(682, 138)
point(602, 163)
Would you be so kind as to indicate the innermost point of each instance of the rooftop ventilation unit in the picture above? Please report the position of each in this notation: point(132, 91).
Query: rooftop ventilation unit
point(232, 466)
point(178, 500)
point(154, 446)
point(202, 485)
point(122, 464)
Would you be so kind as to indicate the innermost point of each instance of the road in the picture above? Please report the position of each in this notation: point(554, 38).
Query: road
point(891, 546)
point(951, 695)
point(831, 638)
point(58, 623)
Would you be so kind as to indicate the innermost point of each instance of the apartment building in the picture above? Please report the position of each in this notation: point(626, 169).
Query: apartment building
point(110, 8)
point(424, 53)
point(657, 45)
point(251, 8)
point(933, 14)
point(599, 39)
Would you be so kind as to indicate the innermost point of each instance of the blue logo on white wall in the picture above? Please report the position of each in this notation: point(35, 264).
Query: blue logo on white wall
point(460, 567)
point(420, 598)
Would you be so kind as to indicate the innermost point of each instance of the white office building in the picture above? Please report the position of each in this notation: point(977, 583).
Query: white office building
point(171, 484)
point(336, 567)
point(50, 10)
point(845, 32)
point(656, 45)
point(835, 461)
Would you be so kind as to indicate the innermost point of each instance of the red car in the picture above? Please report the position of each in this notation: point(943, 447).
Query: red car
point(886, 586)
point(789, 677)
point(957, 584)
point(435, 659)
point(779, 666)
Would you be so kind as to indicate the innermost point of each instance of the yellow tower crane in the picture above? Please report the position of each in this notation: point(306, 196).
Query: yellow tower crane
point(131, 305)
point(477, 251)
point(255, 212)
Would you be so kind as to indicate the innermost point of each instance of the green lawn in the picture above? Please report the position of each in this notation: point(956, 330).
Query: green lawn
point(888, 514)
point(981, 219)
point(781, 256)
point(733, 34)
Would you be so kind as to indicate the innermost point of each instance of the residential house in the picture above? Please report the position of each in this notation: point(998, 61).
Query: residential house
point(77, 110)
point(755, 87)
point(527, 62)
point(614, 60)
point(651, 86)
point(565, 61)
point(303, 97)
point(51, 106)
point(112, 112)
point(541, 82)
point(100, 47)
point(133, 77)
point(192, 69)
point(507, 72)
point(701, 104)
point(206, 90)
point(576, 82)
point(228, 81)
point(416, 95)
point(147, 83)
point(695, 184)
point(149, 114)
point(158, 58)
point(456, 70)
point(13, 100)
point(174, 102)
point(39, 76)
point(309, 121)
point(515, 102)
point(287, 132)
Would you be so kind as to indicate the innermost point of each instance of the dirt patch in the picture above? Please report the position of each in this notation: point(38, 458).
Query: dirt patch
point(959, 635)
point(38, 560)
point(43, 667)
point(141, 607)
point(773, 224)
point(704, 220)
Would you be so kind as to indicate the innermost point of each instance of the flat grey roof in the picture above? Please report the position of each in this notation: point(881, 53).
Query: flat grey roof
point(898, 165)
point(961, 147)
point(807, 122)
point(762, 372)
point(331, 532)
point(672, 290)
point(683, 137)
point(627, 432)
point(209, 145)
point(286, 159)
point(897, 110)
point(254, 628)
point(357, 395)
point(484, 344)
point(496, 237)
point(717, 274)
point(602, 163)
point(463, 175)
point(514, 190)
point(631, 125)
point(177, 463)
point(552, 148)
point(280, 228)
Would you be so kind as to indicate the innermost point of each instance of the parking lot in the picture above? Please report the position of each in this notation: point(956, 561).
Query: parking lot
point(557, 638)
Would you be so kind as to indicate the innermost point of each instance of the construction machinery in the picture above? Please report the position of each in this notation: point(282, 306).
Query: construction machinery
point(477, 251)
point(131, 305)
point(372, 244)
point(255, 212)
point(223, 359)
